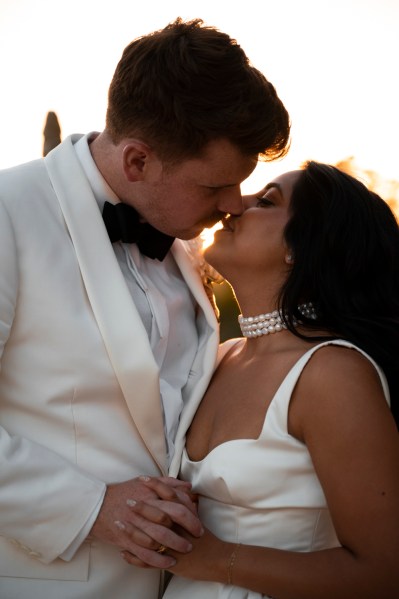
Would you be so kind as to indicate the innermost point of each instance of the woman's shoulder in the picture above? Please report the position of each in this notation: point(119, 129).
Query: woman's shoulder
point(338, 358)
point(340, 375)
point(337, 382)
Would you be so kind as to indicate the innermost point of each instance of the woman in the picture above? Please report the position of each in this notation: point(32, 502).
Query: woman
point(294, 451)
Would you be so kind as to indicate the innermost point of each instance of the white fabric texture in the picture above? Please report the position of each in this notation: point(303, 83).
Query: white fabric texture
point(261, 491)
point(79, 384)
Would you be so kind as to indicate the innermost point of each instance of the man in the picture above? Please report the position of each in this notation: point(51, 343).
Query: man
point(107, 348)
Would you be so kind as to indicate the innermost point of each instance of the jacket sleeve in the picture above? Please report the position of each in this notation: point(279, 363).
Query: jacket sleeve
point(45, 500)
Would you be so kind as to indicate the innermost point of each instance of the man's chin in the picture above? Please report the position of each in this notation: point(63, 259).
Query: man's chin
point(196, 230)
point(190, 234)
point(186, 236)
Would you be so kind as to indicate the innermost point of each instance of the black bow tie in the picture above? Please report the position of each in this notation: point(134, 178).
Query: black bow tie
point(123, 224)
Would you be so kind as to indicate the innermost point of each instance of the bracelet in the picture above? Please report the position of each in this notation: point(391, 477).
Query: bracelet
point(232, 560)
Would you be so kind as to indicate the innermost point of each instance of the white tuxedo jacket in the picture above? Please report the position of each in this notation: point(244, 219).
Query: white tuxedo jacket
point(79, 387)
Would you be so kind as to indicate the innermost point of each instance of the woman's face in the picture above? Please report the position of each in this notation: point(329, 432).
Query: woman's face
point(255, 240)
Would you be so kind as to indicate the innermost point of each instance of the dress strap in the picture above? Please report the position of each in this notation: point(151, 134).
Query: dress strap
point(277, 413)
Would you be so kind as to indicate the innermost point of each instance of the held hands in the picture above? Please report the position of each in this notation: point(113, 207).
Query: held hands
point(140, 532)
point(208, 559)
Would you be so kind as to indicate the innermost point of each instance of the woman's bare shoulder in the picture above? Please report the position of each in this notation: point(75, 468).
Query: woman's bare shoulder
point(337, 383)
point(337, 362)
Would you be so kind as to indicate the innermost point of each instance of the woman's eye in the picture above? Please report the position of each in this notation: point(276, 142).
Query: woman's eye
point(263, 201)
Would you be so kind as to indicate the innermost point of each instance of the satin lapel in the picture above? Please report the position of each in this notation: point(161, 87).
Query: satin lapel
point(120, 325)
point(205, 361)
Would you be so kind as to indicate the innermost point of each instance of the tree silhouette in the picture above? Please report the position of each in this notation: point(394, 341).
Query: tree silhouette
point(51, 132)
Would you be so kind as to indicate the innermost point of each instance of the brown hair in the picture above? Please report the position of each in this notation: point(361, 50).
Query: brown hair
point(188, 84)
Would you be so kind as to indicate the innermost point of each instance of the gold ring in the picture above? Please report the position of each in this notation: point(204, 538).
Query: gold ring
point(161, 549)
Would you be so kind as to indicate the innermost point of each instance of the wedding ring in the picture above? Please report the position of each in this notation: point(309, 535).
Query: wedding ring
point(161, 549)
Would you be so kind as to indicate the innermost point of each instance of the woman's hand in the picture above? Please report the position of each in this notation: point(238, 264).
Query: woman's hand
point(208, 559)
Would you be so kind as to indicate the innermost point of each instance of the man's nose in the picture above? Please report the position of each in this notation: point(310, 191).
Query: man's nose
point(249, 201)
point(231, 202)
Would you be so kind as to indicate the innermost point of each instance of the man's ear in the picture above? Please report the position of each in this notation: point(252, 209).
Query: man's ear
point(135, 157)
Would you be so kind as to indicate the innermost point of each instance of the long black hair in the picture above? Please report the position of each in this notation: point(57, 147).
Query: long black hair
point(345, 243)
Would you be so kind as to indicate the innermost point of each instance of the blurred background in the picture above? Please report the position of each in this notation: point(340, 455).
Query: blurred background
point(333, 63)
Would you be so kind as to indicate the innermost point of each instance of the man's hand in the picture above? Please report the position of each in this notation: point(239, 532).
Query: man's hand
point(138, 515)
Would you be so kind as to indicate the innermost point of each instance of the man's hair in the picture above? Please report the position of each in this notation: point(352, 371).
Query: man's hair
point(188, 84)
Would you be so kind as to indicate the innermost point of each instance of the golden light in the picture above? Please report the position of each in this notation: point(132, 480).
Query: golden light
point(208, 234)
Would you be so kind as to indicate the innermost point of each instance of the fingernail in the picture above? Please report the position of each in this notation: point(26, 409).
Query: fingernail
point(172, 563)
point(189, 547)
point(144, 478)
point(120, 525)
point(131, 502)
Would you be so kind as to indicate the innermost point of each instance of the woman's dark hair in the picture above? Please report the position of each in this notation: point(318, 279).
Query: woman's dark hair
point(188, 84)
point(345, 243)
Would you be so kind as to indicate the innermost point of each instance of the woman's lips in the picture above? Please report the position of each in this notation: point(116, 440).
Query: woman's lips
point(227, 225)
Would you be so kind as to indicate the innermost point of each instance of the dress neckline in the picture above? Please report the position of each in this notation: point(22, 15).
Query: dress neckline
point(341, 342)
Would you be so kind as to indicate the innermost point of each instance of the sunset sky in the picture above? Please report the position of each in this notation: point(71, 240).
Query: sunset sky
point(334, 64)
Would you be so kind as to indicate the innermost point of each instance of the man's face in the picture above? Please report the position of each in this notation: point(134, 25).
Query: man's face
point(183, 199)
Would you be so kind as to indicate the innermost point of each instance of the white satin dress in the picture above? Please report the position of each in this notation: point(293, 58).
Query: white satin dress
point(261, 492)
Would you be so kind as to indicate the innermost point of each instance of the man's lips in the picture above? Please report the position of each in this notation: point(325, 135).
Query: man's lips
point(211, 222)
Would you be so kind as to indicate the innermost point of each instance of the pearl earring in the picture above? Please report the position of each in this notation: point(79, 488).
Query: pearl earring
point(289, 259)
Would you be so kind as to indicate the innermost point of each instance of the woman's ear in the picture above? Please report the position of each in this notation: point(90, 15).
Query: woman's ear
point(135, 157)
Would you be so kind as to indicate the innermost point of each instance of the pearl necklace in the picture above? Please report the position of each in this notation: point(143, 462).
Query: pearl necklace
point(272, 322)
